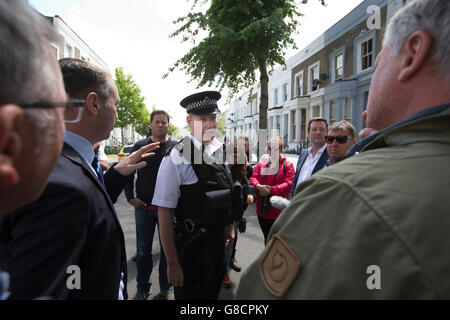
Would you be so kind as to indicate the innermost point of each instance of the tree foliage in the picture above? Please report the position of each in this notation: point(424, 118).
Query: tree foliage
point(221, 124)
point(243, 36)
point(173, 130)
point(131, 110)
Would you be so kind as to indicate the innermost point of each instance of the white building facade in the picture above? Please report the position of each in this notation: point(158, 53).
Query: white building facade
point(70, 45)
point(329, 78)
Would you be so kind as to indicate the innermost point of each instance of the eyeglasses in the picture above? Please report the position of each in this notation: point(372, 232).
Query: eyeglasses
point(72, 108)
point(273, 148)
point(339, 139)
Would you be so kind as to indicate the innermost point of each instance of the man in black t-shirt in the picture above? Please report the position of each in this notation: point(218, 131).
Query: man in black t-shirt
point(146, 215)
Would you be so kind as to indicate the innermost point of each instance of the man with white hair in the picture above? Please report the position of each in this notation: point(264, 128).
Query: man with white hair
point(375, 226)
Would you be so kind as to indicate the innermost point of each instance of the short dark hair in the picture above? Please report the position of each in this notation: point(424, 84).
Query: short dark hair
point(156, 112)
point(317, 119)
point(81, 78)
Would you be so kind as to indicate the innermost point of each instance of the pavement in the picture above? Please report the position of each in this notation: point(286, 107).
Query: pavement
point(250, 244)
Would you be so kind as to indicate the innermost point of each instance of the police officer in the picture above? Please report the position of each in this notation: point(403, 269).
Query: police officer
point(195, 184)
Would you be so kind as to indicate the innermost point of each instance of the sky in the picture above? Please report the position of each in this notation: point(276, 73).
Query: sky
point(134, 34)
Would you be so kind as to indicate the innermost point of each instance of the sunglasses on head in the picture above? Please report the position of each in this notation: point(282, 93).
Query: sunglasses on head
point(339, 139)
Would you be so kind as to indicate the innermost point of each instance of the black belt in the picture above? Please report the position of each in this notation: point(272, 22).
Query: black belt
point(187, 230)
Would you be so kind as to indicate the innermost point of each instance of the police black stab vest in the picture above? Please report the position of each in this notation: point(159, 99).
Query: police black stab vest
point(208, 202)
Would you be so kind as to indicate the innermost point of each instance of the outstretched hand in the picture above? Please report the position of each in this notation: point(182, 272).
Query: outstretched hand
point(131, 163)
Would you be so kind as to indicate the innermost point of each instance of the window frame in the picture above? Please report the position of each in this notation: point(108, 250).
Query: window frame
point(284, 92)
point(298, 76)
point(336, 53)
point(365, 37)
point(311, 76)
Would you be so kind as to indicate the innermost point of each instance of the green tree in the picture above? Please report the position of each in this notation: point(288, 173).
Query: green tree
point(173, 130)
point(221, 124)
point(142, 122)
point(243, 37)
point(131, 110)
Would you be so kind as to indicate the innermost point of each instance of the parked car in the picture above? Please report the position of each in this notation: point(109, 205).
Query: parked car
point(124, 152)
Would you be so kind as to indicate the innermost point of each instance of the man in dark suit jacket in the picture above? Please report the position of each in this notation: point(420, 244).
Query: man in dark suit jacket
point(314, 158)
point(69, 243)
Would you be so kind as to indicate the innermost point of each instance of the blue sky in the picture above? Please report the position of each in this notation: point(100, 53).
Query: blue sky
point(134, 34)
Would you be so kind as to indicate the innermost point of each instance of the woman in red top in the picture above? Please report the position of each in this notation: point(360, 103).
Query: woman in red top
point(272, 176)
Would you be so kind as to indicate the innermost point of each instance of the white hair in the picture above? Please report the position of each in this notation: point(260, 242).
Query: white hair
point(429, 15)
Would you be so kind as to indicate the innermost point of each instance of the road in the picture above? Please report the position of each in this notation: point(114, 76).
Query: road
point(250, 244)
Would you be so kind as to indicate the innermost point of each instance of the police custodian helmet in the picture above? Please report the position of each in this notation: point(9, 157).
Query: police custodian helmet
point(202, 103)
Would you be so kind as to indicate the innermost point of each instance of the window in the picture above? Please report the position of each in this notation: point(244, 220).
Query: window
point(278, 124)
point(293, 125)
point(68, 51)
point(315, 111)
point(366, 99)
point(303, 125)
point(55, 52)
point(286, 126)
point(254, 106)
point(348, 109)
point(275, 97)
point(333, 112)
point(339, 67)
point(77, 53)
point(285, 95)
point(366, 54)
point(314, 77)
point(299, 84)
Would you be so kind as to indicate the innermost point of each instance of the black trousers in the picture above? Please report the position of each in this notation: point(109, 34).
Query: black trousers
point(203, 264)
point(265, 225)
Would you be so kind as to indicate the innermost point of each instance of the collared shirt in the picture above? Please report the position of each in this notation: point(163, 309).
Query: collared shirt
point(174, 171)
point(82, 146)
point(363, 142)
point(101, 155)
point(85, 150)
point(4, 285)
point(309, 164)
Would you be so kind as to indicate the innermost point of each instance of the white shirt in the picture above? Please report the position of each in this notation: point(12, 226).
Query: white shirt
point(175, 171)
point(101, 156)
point(309, 164)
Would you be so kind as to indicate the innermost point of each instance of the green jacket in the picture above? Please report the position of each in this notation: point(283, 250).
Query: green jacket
point(374, 226)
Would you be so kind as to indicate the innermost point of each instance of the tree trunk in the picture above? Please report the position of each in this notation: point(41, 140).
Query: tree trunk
point(264, 100)
point(121, 135)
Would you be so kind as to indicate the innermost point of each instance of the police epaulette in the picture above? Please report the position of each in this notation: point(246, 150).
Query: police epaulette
point(179, 147)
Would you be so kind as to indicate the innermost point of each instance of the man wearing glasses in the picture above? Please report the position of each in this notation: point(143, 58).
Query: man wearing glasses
point(376, 225)
point(30, 138)
point(73, 225)
point(31, 109)
point(340, 138)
